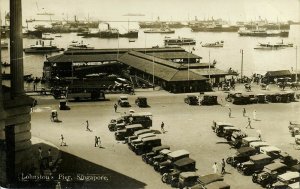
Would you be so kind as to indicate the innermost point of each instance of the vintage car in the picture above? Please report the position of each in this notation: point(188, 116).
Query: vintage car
point(218, 127)
point(162, 156)
point(146, 145)
point(154, 152)
point(255, 163)
point(294, 128)
point(261, 98)
point(187, 179)
point(236, 139)
point(269, 174)
point(209, 100)
point(128, 131)
point(237, 98)
point(284, 180)
point(258, 145)
point(287, 159)
point(116, 123)
point(63, 105)
point(165, 166)
point(291, 96)
point(271, 151)
point(251, 97)
point(182, 165)
point(247, 140)
point(297, 139)
point(123, 101)
point(242, 155)
point(273, 97)
point(141, 101)
point(136, 134)
point(295, 185)
point(211, 181)
point(227, 132)
point(132, 143)
point(191, 100)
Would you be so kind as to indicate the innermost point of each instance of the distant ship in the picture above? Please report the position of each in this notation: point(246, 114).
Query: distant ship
point(215, 44)
point(163, 29)
point(79, 46)
point(214, 28)
point(263, 33)
point(179, 41)
point(41, 48)
point(270, 46)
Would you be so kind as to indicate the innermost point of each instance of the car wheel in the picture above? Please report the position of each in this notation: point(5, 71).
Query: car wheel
point(254, 178)
point(229, 160)
point(164, 178)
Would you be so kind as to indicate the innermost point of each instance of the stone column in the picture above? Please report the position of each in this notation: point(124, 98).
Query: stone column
point(16, 48)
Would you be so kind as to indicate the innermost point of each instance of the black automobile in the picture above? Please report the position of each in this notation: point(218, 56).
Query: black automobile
point(63, 105)
point(242, 155)
point(269, 174)
point(141, 101)
point(236, 139)
point(162, 156)
point(191, 100)
point(211, 181)
point(209, 100)
point(128, 131)
point(155, 151)
point(255, 163)
point(218, 127)
point(146, 145)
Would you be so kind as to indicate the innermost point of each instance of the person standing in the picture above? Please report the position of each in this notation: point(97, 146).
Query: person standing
point(229, 113)
point(88, 126)
point(96, 141)
point(215, 167)
point(62, 142)
point(116, 107)
point(162, 127)
point(254, 115)
point(99, 142)
point(249, 123)
point(244, 112)
point(223, 167)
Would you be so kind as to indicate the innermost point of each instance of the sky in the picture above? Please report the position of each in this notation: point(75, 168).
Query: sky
point(230, 10)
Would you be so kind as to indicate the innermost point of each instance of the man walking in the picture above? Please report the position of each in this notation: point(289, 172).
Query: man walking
point(87, 126)
point(162, 127)
point(215, 167)
point(254, 115)
point(62, 142)
point(96, 141)
point(244, 112)
point(249, 123)
point(99, 142)
point(223, 167)
point(116, 107)
point(229, 113)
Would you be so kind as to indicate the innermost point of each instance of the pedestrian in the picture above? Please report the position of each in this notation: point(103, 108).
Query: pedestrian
point(96, 141)
point(87, 126)
point(62, 142)
point(254, 115)
point(34, 87)
point(116, 107)
point(244, 112)
point(249, 123)
point(162, 127)
point(99, 142)
point(223, 167)
point(40, 153)
point(229, 113)
point(259, 136)
point(215, 167)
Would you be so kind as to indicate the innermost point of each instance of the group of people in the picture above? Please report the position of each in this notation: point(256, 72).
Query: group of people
point(42, 158)
point(216, 167)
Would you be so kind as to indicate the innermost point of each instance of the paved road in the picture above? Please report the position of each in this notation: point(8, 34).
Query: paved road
point(188, 127)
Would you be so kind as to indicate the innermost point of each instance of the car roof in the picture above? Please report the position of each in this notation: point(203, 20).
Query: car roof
point(159, 148)
point(133, 126)
point(178, 153)
point(142, 131)
point(165, 151)
point(146, 135)
point(217, 185)
point(231, 128)
point(124, 96)
point(224, 123)
point(206, 179)
point(184, 161)
point(142, 114)
point(274, 166)
point(289, 175)
point(257, 144)
point(188, 174)
point(270, 149)
point(245, 149)
point(251, 138)
point(191, 96)
point(259, 157)
point(295, 185)
point(151, 138)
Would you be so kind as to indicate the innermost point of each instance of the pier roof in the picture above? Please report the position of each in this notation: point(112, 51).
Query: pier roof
point(211, 71)
point(163, 69)
point(174, 55)
point(278, 73)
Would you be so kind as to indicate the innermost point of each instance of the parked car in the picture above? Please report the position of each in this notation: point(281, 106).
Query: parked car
point(247, 140)
point(236, 139)
point(63, 105)
point(187, 179)
point(261, 98)
point(227, 132)
point(269, 174)
point(297, 139)
point(134, 142)
point(209, 100)
point(211, 181)
point(258, 145)
point(287, 159)
point(182, 165)
point(165, 166)
point(123, 101)
point(141, 101)
point(136, 134)
point(162, 156)
point(284, 180)
point(294, 128)
point(154, 152)
point(242, 155)
point(271, 151)
point(295, 185)
point(116, 123)
point(128, 131)
point(255, 163)
point(237, 98)
point(146, 145)
point(218, 127)
point(191, 100)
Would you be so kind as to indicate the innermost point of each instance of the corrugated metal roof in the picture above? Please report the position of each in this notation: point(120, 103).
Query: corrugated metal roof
point(278, 73)
point(174, 55)
point(83, 58)
point(162, 69)
point(211, 71)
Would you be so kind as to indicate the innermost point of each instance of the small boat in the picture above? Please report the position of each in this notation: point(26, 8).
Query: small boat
point(215, 44)
point(179, 41)
point(41, 48)
point(270, 46)
point(79, 46)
